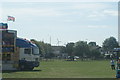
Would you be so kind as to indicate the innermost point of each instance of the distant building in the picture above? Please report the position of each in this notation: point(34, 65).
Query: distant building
point(92, 43)
point(57, 51)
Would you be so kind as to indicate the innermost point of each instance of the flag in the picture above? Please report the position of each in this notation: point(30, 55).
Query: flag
point(11, 18)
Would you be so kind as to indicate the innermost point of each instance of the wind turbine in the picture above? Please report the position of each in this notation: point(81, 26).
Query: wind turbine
point(58, 41)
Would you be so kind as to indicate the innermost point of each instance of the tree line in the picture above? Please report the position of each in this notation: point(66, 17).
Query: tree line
point(80, 48)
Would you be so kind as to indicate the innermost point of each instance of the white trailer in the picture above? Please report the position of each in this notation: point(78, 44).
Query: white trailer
point(28, 54)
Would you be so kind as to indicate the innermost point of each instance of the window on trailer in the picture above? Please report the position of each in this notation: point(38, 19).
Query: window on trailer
point(35, 51)
point(27, 51)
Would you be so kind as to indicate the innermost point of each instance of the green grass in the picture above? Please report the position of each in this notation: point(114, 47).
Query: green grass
point(66, 69)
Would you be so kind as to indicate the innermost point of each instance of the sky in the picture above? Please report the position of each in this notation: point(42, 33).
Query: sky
point(62, 21)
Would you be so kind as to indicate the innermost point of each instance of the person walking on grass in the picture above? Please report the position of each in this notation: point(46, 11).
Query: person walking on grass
point(112, 64)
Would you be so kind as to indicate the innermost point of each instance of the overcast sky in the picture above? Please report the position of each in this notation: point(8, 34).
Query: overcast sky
point(65, 21)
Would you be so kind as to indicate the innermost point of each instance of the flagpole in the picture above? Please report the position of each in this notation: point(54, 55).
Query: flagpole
point(7, 22)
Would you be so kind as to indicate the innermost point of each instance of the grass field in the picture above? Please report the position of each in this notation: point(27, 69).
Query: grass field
point(66, 69)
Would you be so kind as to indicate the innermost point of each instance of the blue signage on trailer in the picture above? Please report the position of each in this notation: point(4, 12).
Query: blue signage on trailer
point(3, 26)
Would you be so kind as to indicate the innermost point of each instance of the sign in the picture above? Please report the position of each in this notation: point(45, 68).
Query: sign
point(3, 26)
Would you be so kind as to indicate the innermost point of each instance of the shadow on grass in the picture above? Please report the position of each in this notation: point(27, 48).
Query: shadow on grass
point(12, 71)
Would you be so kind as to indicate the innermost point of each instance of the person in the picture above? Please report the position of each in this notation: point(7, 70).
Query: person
point(118, 63)
point(112, 64)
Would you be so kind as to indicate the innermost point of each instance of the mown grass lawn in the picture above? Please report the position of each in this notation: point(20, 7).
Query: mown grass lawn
point(66, 69)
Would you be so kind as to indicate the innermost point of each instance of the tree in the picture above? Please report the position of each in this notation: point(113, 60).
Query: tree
point(69, 48)
point(95, 54)
point(94, 50)
point(109, 44)
point(81, 49)
point(38, 45)
point(48, 51)
point(63, 49)
point(44, 48)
